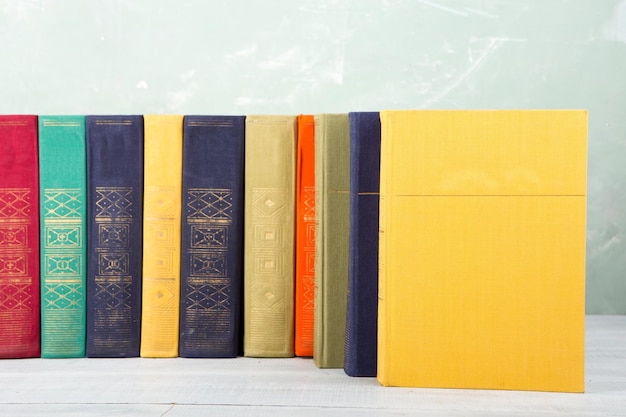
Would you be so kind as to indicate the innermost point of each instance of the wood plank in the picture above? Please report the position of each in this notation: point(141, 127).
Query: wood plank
point(288, 387)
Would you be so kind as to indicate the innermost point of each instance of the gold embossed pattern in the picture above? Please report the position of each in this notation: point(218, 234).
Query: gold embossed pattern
point(63, 244)
point(15, 295)
point(208, 285)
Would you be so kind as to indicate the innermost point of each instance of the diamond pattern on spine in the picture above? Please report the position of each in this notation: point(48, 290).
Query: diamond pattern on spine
point(16, 295)
point(214, 205)
point(309, 204)
point(269, 204)
point(161, 293)
point(213, 295)
point(209, 215)
point(62, 203)
point(15, 203)
point(113, 294)
point(114, 216)
point(269, 207)
point(15, 286)
point(61, 214)
point(160, 202)
point(63, 296)
point(114, 203)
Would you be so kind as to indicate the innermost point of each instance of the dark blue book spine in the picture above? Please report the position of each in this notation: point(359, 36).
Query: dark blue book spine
point(212, 236)
point(362, 311)
point(115, 214)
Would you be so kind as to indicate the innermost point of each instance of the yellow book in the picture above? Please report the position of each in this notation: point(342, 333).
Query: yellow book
point(482, 249)
point(163, 140)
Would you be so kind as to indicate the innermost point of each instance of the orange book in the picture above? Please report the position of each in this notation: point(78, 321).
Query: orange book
point(305, 235)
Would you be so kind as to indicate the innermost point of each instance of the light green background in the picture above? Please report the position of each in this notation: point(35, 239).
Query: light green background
point(288, 56)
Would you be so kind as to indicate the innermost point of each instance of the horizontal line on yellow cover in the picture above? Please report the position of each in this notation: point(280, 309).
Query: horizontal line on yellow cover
point(490, 195)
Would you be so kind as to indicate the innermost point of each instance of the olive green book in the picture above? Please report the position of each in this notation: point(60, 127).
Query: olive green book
point(332, 217)
point(269, 240)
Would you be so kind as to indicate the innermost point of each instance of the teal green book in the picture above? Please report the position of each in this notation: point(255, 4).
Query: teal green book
point(63, 213)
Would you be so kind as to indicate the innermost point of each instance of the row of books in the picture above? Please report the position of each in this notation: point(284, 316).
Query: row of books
point(141, 223)
point(428, 248)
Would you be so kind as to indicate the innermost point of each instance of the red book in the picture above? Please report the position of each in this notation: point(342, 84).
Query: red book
point(19, 238)
point(305, 235)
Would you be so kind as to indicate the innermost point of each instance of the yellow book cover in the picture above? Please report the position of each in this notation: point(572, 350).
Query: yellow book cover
point(269, 235)
point(163, 141)
point(482, 249)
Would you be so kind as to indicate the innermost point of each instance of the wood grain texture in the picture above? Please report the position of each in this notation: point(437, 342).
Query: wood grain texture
point(289, 387)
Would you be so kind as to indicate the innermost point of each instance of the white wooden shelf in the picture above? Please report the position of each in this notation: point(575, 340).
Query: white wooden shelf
point(290, 387)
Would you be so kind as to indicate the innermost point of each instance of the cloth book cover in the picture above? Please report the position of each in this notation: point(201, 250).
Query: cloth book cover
point(482, 249)
point(19, 237)
point(269, 235)
point(163, 147)
point(212, 236)
point(305, 235)
point(63, 213)
point(362, 311)
point(115, 205)
point(332, 216)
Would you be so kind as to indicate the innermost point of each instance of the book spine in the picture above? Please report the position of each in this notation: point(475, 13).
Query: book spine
point(305, 236)
point(320, 193)
point(212, 236)
point(385, 155)
point(115, 196)
point(62, 167)
point(19, 238)
point(270, 164)
point(362, 314)
point(332, 247)
point(163, 138)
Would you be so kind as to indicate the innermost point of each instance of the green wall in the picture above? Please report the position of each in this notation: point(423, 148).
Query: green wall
point(288, 56)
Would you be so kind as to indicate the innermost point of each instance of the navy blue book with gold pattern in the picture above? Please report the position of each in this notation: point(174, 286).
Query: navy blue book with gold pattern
point(115, 201)
point(362, 311)
point(212, 236)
